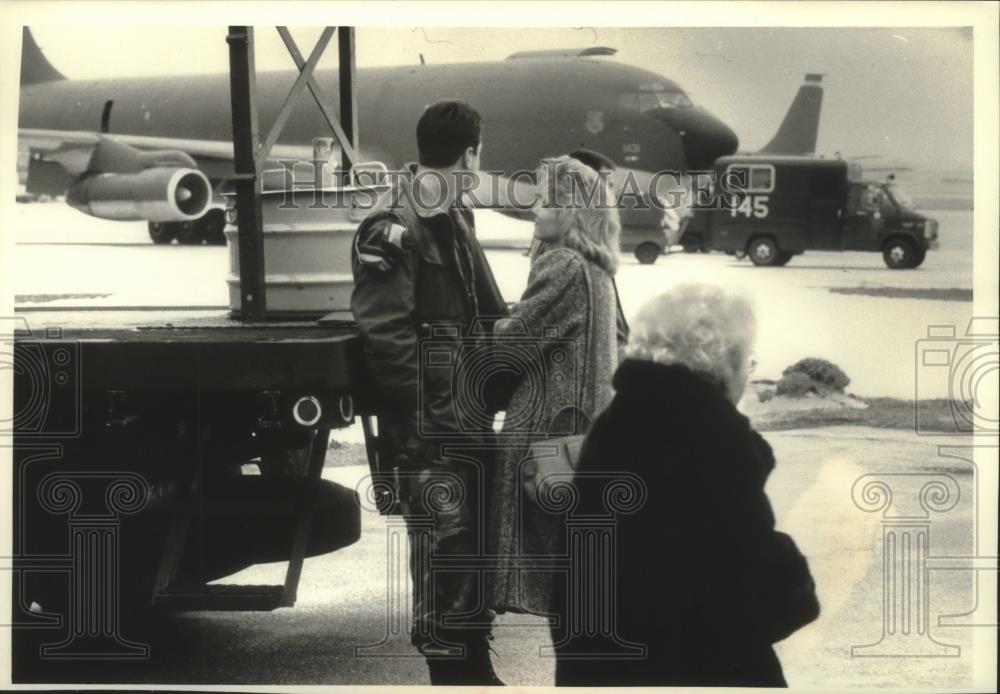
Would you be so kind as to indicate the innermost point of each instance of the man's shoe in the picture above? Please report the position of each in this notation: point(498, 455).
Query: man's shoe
point(475, 668)
point(480, 663)
point(446, 671)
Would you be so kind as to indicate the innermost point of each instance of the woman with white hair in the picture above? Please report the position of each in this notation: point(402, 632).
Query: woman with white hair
point(565, 325)
point(701, 578)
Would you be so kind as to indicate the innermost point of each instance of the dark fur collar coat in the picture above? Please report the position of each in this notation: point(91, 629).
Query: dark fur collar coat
point(703, 579)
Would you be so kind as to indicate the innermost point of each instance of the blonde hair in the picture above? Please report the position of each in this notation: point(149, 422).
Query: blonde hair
point(705, 328)
point(585, 210)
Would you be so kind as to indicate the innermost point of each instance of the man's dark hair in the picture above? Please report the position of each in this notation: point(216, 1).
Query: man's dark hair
point(594, 160)
point(445, 131)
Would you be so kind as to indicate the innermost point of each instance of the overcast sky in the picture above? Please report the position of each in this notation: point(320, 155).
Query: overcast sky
point(902, 93)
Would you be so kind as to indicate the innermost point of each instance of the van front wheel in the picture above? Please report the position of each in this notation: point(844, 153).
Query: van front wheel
point(764, 252)
point(899, 254)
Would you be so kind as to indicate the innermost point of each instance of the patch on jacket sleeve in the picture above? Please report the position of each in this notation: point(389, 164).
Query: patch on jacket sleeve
point(381, 246)
point(394, 234)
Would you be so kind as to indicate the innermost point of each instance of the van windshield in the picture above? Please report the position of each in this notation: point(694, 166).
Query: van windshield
point(899, 196)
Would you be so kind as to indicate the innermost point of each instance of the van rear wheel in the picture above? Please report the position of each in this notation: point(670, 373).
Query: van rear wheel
point(899, 254)
point(647, 253)
point(764, 252)
point(693, 242)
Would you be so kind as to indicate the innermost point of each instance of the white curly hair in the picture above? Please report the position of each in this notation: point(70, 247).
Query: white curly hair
point(708, 329)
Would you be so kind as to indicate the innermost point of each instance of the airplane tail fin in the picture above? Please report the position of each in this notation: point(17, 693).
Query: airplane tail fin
point(35, 67)
point(799, 129)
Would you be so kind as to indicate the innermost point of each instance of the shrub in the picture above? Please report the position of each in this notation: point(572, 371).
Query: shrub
point(796, 385)
point(825, 374)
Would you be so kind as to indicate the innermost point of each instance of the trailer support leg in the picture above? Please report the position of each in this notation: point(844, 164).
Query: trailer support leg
point(318, 441)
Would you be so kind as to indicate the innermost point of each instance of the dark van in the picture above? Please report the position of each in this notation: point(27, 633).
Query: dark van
point(646, 231)
point(794, 204)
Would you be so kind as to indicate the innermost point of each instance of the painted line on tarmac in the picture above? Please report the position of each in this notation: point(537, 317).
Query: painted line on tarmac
point(146, 244)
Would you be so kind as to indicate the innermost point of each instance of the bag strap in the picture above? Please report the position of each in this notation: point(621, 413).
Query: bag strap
point(618, 308)
point(580, 414)
point(589, 338)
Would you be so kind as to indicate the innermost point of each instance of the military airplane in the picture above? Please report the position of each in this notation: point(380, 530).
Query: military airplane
point(157, 148)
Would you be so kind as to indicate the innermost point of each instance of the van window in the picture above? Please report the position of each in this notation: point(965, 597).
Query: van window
point(761, 178)
point(873, 197)
point(758, 178)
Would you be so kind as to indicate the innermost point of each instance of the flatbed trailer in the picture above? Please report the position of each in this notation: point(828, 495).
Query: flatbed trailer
point(173, 408)
point(159, 449)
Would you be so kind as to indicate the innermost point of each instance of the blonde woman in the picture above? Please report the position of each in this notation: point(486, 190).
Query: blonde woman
point(567, 317)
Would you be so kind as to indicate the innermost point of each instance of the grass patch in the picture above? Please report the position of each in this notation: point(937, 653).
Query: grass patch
point(343, 454)
point(930, 293)
point(44, 298)
point(937, 415)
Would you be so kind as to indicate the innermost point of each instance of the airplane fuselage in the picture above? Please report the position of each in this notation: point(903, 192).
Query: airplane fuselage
point(532, 108)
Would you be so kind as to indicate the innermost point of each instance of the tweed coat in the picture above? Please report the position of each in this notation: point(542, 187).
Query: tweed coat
point(570, 304)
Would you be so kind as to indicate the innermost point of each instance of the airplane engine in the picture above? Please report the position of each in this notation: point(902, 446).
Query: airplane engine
point(158, 194)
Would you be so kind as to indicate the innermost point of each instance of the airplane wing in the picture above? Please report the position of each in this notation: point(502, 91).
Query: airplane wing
point(71, 150)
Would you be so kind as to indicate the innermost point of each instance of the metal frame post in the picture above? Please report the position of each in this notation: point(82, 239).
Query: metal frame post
point(348, 98)
point(249, 219)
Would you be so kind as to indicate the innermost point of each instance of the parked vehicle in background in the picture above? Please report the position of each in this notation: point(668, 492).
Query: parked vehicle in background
point(787, 205)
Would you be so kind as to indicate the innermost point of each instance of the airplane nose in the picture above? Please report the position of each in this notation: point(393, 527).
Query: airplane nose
point(705, 137)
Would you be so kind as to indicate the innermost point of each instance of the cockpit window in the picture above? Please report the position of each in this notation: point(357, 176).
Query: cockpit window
point(629, 100)
point(673, 100)
point(648, 100)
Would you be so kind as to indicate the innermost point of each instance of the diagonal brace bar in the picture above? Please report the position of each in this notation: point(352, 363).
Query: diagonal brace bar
point(305, 74)
point(329, 113)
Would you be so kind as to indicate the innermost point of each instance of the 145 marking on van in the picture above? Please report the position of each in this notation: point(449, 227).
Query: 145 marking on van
point(751, 207)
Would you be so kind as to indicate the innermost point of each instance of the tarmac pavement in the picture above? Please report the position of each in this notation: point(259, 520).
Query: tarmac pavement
point(65, 258)
point(331, 636)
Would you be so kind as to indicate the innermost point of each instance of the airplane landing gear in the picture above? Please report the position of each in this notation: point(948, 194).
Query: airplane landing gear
point(210, 227)
point(161, 233)
point(187, 234)
point(206, 229)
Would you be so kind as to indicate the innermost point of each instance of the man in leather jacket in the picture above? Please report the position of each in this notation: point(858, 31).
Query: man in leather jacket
point(422, 283)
